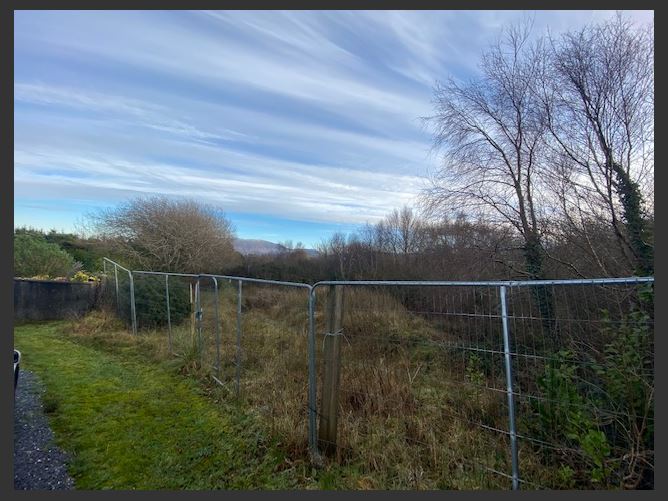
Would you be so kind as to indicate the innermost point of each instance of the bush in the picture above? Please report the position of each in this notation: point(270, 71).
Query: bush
point(33, 256)
point(627, 377)
point(150, 302)
point(610, 420)
point(163, 234)
point(88, 252)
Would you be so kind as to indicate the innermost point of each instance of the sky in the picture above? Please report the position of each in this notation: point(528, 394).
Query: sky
point(296, 123)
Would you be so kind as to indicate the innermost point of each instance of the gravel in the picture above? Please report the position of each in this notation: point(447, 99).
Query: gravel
point(38, 463)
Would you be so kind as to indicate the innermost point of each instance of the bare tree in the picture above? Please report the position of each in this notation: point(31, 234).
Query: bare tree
point(492, 134)
point(168, 235)
point(598, 100)
point(335, 250)
point(466, 250)
point(403, 233)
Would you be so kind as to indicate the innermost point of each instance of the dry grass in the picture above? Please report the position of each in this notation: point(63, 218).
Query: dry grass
point(409, 414)
point(394, 428)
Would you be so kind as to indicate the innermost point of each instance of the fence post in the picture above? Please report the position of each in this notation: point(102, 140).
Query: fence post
point(198, 318)
point(509, 389)
point(332, 356)
point(312, 381)
point(218, 327)
point(192, 315)
point(118, 304)
point(238, 368)
point(169, 317)
point(133, 308)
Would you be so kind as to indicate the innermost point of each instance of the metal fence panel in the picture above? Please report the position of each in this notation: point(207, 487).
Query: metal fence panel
point(584, 383)
point(422, 402)
point(123, 283)
point(264, 353)
point(434, 384)
point(501, 384)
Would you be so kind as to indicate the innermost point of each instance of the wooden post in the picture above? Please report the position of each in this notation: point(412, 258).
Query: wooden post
point(332, 360)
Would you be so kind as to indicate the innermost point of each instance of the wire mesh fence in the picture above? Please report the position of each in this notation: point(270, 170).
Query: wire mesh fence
point(584, 384)
point(421, 392)
point(255, 339)
point(493, 385)
point(437, 385)
point(123, 292)
point(164, 306)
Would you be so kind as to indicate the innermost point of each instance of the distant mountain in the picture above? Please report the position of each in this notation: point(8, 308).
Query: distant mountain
point(253, 246)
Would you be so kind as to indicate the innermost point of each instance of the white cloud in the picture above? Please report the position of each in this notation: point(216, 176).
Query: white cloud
point(308, 115)
point(286, 188)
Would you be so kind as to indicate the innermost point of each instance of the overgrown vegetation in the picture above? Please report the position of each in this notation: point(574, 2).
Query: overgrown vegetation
point(423, 396)
point(34, 256)
point(53, 254)
point(165, 234)
point(599, 403)
point(547, 160)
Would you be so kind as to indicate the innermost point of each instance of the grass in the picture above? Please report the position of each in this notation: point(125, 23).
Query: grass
point(129, 423)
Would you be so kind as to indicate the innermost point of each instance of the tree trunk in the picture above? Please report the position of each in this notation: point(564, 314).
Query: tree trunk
point(636, 226)
point(542, 294)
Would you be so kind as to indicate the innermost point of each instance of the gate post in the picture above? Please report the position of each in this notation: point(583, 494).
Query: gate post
point(133, 308)
point(118, 304)
point(216, 311)
point(198, 319)
point(192, 314)
point(239, 313)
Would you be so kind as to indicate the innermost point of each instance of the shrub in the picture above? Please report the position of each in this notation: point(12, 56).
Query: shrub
point(151, 304)
point(627, 377)
point(610, 421)
point(159, 233)
point(566, 417)
point(34, 256)
point(88, 252)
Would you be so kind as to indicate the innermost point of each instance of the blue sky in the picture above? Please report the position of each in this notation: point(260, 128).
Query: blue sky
point(296, 124)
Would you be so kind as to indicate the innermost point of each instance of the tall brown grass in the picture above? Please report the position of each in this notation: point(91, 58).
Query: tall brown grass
point(413, 414)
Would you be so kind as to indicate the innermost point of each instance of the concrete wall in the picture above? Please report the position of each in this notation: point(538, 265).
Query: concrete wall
point(51, 300)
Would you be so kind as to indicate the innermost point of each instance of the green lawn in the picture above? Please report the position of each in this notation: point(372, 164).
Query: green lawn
point(133, 424)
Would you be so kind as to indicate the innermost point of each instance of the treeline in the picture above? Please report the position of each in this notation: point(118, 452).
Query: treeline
point(555, 139)
point(146, 233)
point(405, 246)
